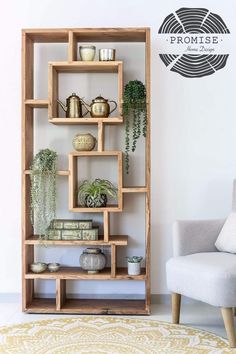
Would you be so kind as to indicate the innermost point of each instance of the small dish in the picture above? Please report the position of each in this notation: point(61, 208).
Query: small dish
point(38, 267)
point(53, 267)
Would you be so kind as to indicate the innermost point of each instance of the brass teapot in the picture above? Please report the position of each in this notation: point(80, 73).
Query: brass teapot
point(99, 108)
point(73, 107)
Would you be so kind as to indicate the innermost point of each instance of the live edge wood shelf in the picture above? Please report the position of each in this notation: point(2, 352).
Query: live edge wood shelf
point(61, 303)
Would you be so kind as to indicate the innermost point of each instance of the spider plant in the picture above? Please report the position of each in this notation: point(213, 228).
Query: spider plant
point(93, 194)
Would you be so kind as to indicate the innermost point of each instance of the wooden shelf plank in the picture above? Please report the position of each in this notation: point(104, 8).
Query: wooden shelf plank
point(121, 240)
point(51, 35)
point(54, 35)
point(59, 173)
point(78, 273)
point(104, 306)
point(42, 305)
point(96, 153)
point(86, 66)
point(37, 103)
point(134, 189)
point(110, 207)
point(86, 121)
point(89, 306)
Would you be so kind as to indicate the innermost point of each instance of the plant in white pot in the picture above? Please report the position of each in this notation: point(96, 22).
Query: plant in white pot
point(134, 265)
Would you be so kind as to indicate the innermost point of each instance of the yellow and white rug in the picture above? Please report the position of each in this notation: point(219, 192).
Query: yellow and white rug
point(103, 335)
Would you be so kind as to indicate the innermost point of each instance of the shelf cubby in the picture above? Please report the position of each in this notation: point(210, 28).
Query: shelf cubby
point(73, 181)
point(55, 68)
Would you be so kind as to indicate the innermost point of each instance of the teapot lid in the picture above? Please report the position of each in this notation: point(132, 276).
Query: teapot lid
point(73, 95)
point(92, 250)
point(99, 99)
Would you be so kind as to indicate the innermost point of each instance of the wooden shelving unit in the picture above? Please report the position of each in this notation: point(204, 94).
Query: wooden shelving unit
point(61, 303)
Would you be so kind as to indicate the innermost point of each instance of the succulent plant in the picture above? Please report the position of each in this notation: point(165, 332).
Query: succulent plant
point(134, 259)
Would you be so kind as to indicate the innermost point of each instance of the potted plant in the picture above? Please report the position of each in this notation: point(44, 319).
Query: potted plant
point(93, 194)
point(43, 190)
point(135, 115)
point(134, 265)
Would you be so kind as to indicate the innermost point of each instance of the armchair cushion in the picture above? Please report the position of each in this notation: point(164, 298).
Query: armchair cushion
point(209, 277)
point(226, 241)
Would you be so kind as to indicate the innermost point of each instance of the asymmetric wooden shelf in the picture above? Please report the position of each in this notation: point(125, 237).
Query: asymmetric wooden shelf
point(62, 303)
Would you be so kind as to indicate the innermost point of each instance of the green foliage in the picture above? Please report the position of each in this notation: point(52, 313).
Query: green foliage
point(94, 190)
point(134, 259)
point(135, 114)
point(43, 190)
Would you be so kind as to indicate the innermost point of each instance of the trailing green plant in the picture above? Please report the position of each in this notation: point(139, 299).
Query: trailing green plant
point(43, 190)
point(94, 193)
point(134, 259)
point(135, 115)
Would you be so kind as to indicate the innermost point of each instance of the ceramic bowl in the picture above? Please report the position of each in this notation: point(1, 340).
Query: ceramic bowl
point(38, 267)
point(53, 267)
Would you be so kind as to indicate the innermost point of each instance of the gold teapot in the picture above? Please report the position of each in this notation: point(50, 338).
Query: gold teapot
point(73, 107)
point(99, 108)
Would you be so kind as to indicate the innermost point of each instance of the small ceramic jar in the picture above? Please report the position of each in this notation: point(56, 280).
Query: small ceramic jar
point(53, 267)
point(38, 267)
point(92, 260)
point(87, 52)
point(134, 268)
point(107, 54)
point(84, 142)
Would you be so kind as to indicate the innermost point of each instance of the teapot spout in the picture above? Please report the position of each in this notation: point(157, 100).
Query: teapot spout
point(87, 106)
point(62, 105)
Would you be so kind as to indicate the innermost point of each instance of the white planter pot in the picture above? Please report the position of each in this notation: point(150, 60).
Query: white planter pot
point(134, 268)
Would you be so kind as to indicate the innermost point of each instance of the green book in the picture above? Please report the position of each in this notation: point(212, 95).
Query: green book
point(90, 235)
point(67, 224)
point(71, 234)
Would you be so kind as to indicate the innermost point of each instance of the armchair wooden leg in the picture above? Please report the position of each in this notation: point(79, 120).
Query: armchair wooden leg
point(234, 311)
point(228, 317)
point(176, 302)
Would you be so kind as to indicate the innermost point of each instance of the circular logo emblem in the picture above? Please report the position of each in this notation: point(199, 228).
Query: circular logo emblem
point(198, 32)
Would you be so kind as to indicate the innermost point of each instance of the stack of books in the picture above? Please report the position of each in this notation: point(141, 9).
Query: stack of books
point(61, 229)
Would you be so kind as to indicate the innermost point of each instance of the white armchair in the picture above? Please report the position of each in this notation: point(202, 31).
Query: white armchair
point(199, 271)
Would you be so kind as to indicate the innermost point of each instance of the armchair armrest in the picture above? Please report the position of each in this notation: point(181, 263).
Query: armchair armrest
point(195, 236)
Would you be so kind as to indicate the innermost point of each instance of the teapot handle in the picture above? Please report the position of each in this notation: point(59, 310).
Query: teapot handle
point(83, 104)
point(115, 106)
point(84, 114)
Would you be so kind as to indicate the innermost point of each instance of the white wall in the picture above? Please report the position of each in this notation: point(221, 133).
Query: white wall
point(193, 123)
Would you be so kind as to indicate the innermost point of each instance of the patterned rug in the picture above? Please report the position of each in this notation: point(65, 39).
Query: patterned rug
point(103, 335)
